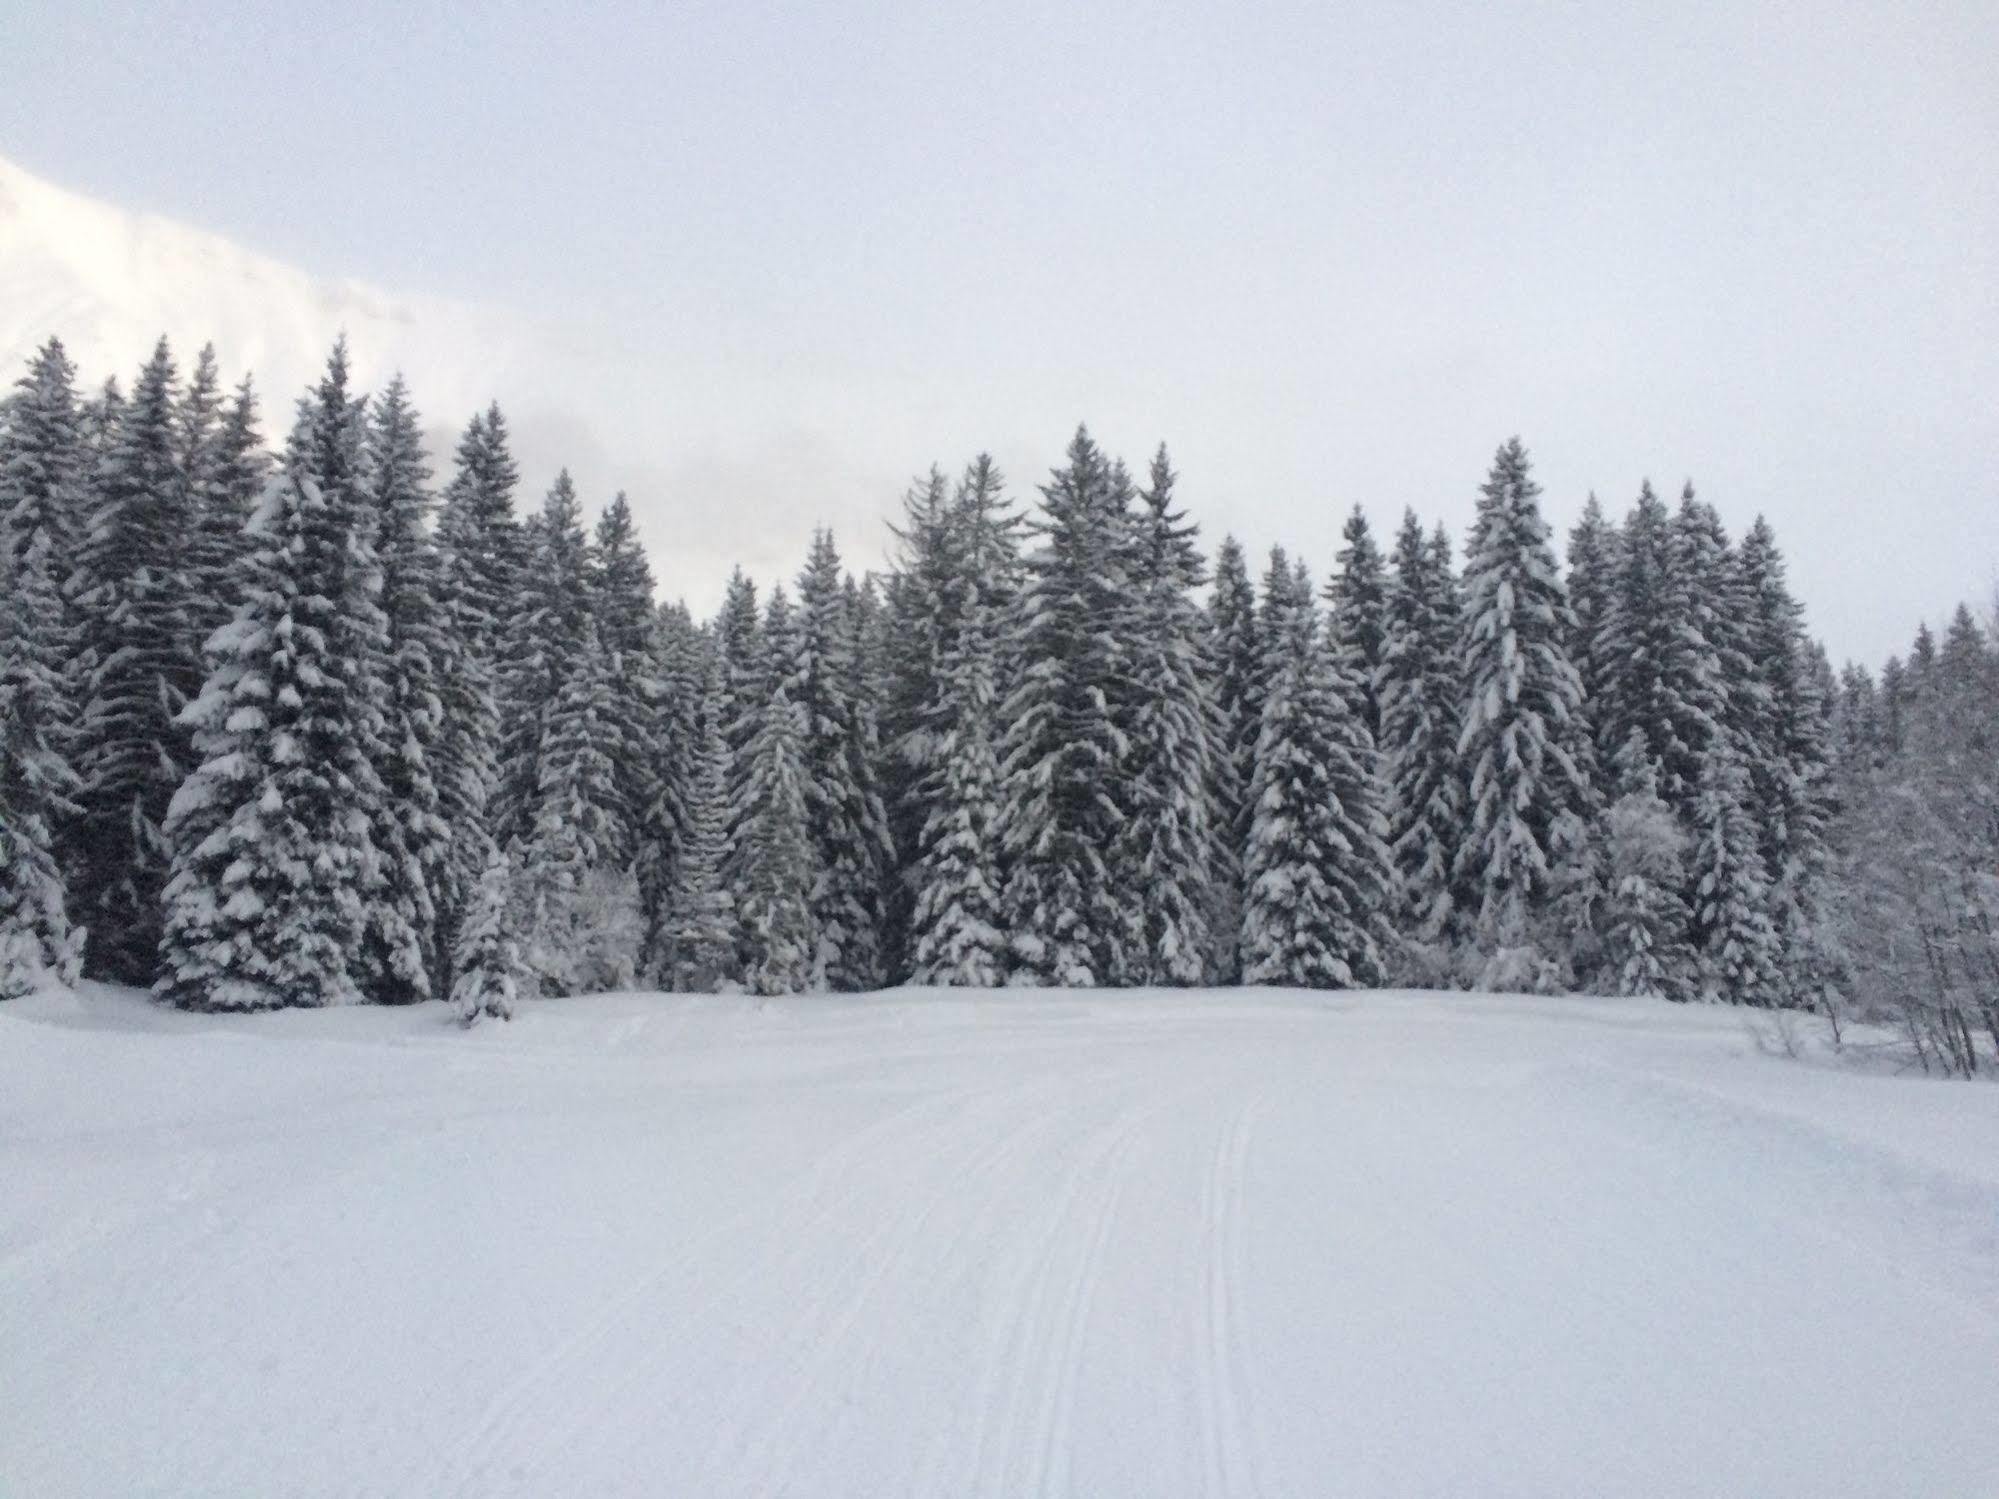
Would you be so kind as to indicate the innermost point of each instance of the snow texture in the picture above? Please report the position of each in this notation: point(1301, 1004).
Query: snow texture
point(944, 1243)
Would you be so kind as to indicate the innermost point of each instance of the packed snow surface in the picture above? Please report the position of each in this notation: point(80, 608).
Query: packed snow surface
point(1207, 1243)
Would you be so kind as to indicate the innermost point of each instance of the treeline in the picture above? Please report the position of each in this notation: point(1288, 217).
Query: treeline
point(306, 728)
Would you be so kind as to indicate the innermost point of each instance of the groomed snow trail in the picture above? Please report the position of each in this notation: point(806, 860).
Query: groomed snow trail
point(1235, 1244)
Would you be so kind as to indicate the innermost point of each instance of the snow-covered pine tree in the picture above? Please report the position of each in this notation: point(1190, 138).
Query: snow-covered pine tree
point(37, 944)
point(488, 962)
point(415, 862)
point(329, 442)
point(134, 592)
point(1356, 614)
point(774, 867)
point(1169, 841)
point(198, 432)
point(1422, 698)
point(579, 907)
point(739, 646)
point(1523, 748)
point(844, 811)
point(680, 654)
point(267, 903)
point(478, 544)
point(541, 651)
point(1316, 868)
point(1593, 561)
point(1063, 751)
point(1643, 917)
point(1656, 673)
point(1725, 685)
point(701, 935)
point(1234, 652)
point(621, 589)
point(1734, 941)
point(43, 475)
point(1791, 769)
point(955, 932)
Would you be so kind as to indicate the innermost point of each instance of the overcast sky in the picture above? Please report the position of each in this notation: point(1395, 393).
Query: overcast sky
point(1330, 254)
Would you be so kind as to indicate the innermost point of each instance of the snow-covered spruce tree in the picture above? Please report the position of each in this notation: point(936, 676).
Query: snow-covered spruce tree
point(844, 811)
point(1791, 771)
point(681, 665)
point(1234, 651)
point(919, 607)
point(1063, 751)
point(266, 904)
point(1168, 843)
point(198, 442)
point(955, 932)
point(1356, 615)
point(1656, 671)
point(774, 870)
point(488, 963)
point(739, 647)
point(1593, 560)
point(1421, 698)
point(621, 592)
point(329, 441)
point(578, 905)
point(957, 555)
point(134, 591)
point(1643, 918)
point(37, 944)
point(542, 650)
point(1523, 749)
point(479, 552)
point(415, 861)
point(1316, 868)
point(701, 935)
point(43, 478)
point(1734, 941)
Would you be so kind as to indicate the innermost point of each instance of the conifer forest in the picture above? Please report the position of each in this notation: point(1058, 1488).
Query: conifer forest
point(296, 713)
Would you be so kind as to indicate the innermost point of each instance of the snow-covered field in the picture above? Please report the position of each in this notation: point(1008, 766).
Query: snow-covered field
point(1224, 1244)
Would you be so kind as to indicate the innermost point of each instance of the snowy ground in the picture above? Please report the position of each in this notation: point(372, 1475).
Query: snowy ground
point(1226, 1244)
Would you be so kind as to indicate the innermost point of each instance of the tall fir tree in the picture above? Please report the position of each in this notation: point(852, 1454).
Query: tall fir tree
point(702, 938)
point(1316, 868)
point(1235, 652)
point(43, 472)
point(1422, 699)
point(416, 861)
point(775, 864)
point(1523, 749)
point(542, 649)
point(272, 866)
point(844, 810)
point(37, 943)
point(956, 937)
point(571, 884)
point(134, 588)
point(1168, 843)
point(1593, 560)
point(1063, 751)
point(1356, 615)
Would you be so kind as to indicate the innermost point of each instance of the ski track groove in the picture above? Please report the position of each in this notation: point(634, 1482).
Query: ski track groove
point(1223, 1435)
point(465, 1473)
point(1037, 1315)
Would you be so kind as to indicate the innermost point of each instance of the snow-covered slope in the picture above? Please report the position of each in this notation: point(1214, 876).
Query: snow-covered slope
point(1148, 1245)
point(109, 282)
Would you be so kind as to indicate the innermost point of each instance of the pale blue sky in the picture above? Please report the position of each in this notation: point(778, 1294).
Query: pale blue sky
point(1330, 254)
